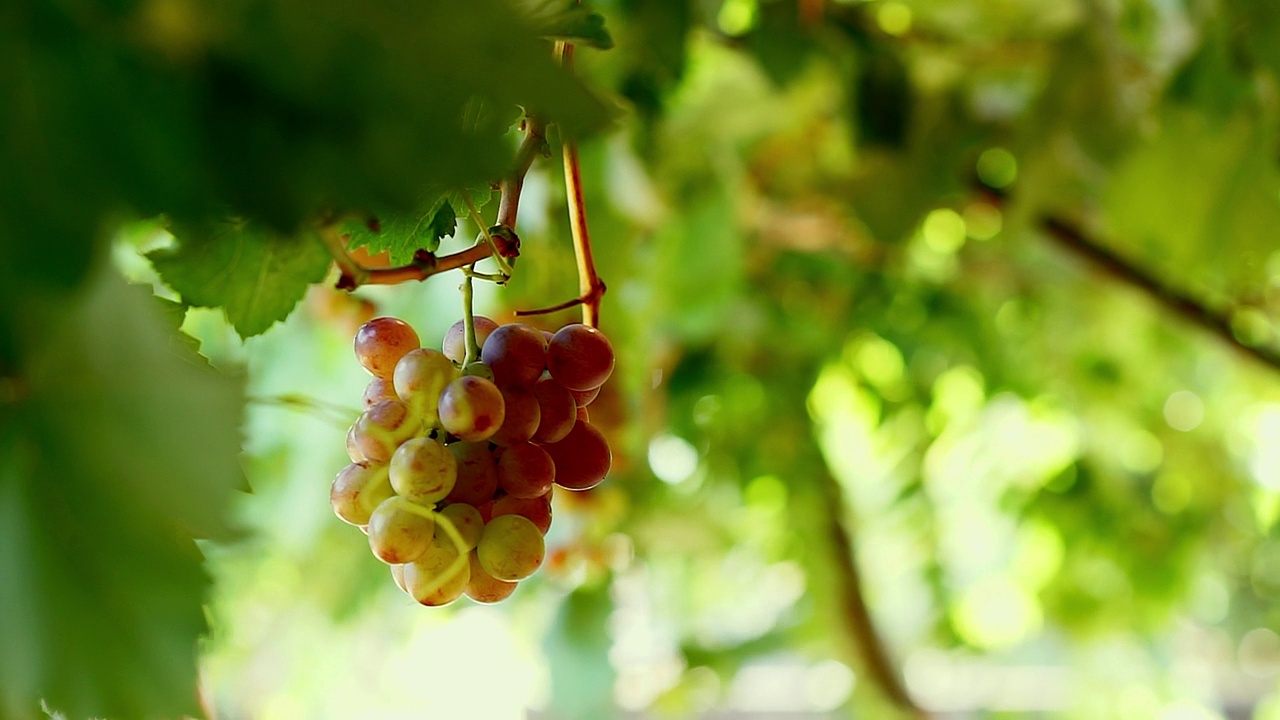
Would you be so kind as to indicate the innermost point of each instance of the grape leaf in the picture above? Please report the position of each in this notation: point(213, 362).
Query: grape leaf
point(117, 449)
point(402, 234)
point(256, 276)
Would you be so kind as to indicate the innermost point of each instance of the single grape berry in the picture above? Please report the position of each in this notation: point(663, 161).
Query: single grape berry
point(517, 354)
point(376, 391)
point(471, 408)
point(584, 398)
point(418, 380)
point(437, 577)
point(521, 416)
point(579, 357)
point(398, 532)
point(381, 342)
point(380, 430)
point(582, 458)
point(536, 510)
point(423, 470)
point(357, 490)
point(455, 341)
point(511, 548)
point(526, 471)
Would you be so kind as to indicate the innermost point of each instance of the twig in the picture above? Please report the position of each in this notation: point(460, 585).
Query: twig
point(590, 288)
point(1182, 303)
point(869, 645)
point(533, 145)
point(330, 412)
point(554, 308)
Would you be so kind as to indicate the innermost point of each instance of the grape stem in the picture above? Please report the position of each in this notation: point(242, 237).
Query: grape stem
point(330, 412)
point(449, 529)
point(590, 287)
point(469, 320)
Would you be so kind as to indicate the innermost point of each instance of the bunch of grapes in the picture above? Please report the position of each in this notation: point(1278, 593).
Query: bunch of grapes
point(452, 466)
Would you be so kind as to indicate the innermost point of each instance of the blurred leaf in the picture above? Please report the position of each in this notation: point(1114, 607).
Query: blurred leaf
point(570, 22)
point(256, 276)
point(119, 449)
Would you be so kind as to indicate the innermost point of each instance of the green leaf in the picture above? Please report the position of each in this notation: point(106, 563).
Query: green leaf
point(256, 276)
point(571, 23)
point(116, 450)
point(403, 234)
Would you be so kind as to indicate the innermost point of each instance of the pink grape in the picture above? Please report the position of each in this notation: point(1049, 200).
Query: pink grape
point(471, 408)
point(517, 354)
point(357, 490)
point(582, 458)
point(398, 534)
point(526, 471)
point(432, 579)
point(380, 430)
point(466, 520)
point(376, 391)
point(536, 510)
point(423, 470)
point(381, 342)
point(419, 378)
point(511, 548)
point(579, 357)
point(455, 342)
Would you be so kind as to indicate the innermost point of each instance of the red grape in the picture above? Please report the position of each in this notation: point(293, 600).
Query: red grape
point(471, 408)
point(477, 474)
point(381, 342)
point(526, 471)
point(455, 341)
point(537, 510)
point(376, 391)
point(517, 354)
point(582, 458)
point(556, 410)
point(584, 398)
point(521, 415)
point(579, 357)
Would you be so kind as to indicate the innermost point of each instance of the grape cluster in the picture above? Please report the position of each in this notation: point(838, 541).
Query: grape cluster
point(452, 467)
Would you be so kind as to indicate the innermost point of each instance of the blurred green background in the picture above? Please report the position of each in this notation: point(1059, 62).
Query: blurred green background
point(948, 373)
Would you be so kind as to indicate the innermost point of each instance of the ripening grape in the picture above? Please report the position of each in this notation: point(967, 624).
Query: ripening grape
point(517, 354)
point(582, 458)
point(477, 474)
point(376, 391)
point(556, 410)
point(536, 510)
point(466, 520)
point(579, 357)
point(399, 532)
point(357, 490)
point(397, 574)
point(381, 342)
point(521, 415)
point(423, 470)
point(511, 548)
point(353, 448)
point(485, 588)
point(455, 341)
point(439, 576)
point(471, 408)
point(380, 430)
point(419, 378)
point(526, 471)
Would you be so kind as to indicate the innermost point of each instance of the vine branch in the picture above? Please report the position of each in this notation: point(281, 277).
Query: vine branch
point(590, 288)
point(1217, 321)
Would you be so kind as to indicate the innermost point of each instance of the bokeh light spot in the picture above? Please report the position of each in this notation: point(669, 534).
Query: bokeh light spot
point(944, 231)
point(1184, 410)
point(672, 459)
point(997, 167)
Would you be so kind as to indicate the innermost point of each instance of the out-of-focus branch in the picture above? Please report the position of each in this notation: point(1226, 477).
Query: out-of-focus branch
point(1194, 310)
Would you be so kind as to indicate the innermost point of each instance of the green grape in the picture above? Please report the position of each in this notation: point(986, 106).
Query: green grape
point(398, 532)
point(357, 490)
point(526, 471)
point(380, 430)
point(536, 510)
point(397, 574)
point(376, 391)
point(381, 342)
point(466, 520)
point(423, 470)
point(485, 588)
point(419, 378)
point(517, 354)
point(579, 357)
point(582, 457)
point(511, 548)
point(477, 474)
point(455, 342)
point(521, 416)
point(434, 579)
point(353, 447)
point(471, 408)
point(556, 410)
